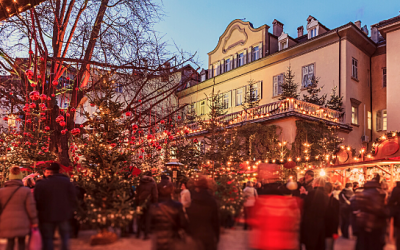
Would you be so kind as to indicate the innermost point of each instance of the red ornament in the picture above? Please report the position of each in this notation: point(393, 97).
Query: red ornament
point(33, 84)
point(68, 78)
point(92, 104)
point(54, 82)
point(186, 131)
point(18, 119)
point(64, 131)
point(60, 118)
point(41, 59)
point(149, 137)
point(75, 131)
point(81, 125)
point(47, 128)
point(53, 95)
point(29, 72)
point(29, 121)
point(140, 100)
point(195, 141)
point(113, 145)
point(43, 97)
point(11, 93)
point(30, 52)
point(133, 138)
point(129, 113)
point(32, 105)
point(179, 117)
point(5, 118)
point(68, 114)
point(8, 149)
point(43, 118)
point(34, 95)
point(63, 123)
point(171, 137)
point(135, 127)
point(159, 148)
point(48, 98)
point(140, 156)
point(73, 109)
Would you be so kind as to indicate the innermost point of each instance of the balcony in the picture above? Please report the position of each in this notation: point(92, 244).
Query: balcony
point(277, 110)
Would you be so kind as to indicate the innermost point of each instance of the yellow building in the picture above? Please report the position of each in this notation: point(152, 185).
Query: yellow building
point(344, 57)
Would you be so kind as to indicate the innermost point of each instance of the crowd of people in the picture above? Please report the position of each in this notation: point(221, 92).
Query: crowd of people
point(310, 214)
point(45, 205)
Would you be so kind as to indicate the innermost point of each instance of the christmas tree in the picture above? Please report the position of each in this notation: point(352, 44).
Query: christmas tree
point(313, 94)
point(289, 87)
point(252, 97)
point(335, 102)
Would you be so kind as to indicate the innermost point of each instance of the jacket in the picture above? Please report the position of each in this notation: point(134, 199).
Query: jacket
point(165, 189)
point(277, 223)
point(250, 195)
point(369, 207)
point(344, 198)
point(332, 217)
point(204, 219)
point(20, 212)
point(147, 190)
point(167, 218)
point(394, 204)
point(55, 198)
point(314, 216)
point(185, 198)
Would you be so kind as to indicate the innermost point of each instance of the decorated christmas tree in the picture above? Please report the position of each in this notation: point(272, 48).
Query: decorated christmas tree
point(313, 93)
point(251, 97)
point(289, 87)
point(335, 101)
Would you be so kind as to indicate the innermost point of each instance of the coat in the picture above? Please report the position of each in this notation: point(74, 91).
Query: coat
point(165, 189)
point(394, 204)
point(344, 199)
point(313, 222)
point(332, 217)
point(55, 198)
point(250, 195)
point(203, 219)
point(20, 212)
point(276, 223)
point(147, 190)
point(185, 198)
point(167, 218)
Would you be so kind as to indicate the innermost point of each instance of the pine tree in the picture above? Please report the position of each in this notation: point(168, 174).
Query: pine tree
point(252, 97)
point(289, 87)
point(313, 94)
point(335, 102)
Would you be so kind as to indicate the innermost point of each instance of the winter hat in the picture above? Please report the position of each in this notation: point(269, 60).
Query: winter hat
point(15, 174)
point(54, 166)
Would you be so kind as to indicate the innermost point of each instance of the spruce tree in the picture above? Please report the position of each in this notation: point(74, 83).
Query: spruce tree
point(252, 97)
point(289, 87)
point(313, 94)
point(335, 102)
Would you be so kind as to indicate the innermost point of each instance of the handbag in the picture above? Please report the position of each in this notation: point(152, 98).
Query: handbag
point(184, 242)
point(35, 240)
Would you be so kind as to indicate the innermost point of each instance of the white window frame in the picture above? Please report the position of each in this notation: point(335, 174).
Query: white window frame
point(119, 88)
point(239, 97)
point(225, 100)
point(255, 92)
point(369, 120)
point(384, 119)
point(277, 82)
point(241, 59)
point(203, 77)
point(354, 114)
point(256, 53)
point(215, 70)
point(308, 73)
point(227, 65)
point(202, 107)
point(313, 32)
point(354, 68)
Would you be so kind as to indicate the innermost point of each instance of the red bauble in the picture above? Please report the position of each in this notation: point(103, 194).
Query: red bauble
point(18, 119)
point(30, 52)
point(43, 97)
point(68, 78)
point(149, 137)
point(129, 113)
point(11, 93)
point(171, 137)
point(5, 118)
point(41, 59)
point(47, 128)
point(29, 121)
point(33, 84)
point(92, 104)
point(54, 82)
point(140, 100)
point(195, 141)
point(34, 95)
point(179, 117)
point(64, 131)
point(133, 138)
point(39, 76)
point(159, 148)
point(186, 131)
point(60, 118)
point(32, 105)
point(53, 95)
point(113, 145)
point(73, 109)
point(140, 157)
point(162, 121)
point(48, 98)
point(63, 123)
point(43, 118)
point(68, 114)
point(75, 131)
point(135, 127)
point(29, 72)
point(81, 125)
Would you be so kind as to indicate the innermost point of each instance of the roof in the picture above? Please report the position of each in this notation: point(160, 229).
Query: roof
point(387, 22)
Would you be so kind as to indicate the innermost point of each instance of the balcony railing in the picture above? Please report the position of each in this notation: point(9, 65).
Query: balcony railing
point(270, 110)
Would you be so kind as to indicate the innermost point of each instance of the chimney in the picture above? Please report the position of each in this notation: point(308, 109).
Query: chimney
point(358, 24)
point(277, 27)
point(374, 33)
point(300, 31)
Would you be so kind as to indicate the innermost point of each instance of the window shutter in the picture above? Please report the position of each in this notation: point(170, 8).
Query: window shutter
point(222, 66)
point(260, 51)
point(280, 82)
point(275, 85)
point(230, 99)
point(231, 62)
point(210, 72)
point(235, 61)
point(244, 57)
point(218, 69)
point(379, 120)
point(259, 87)
point(305, 76)
point(311, 71)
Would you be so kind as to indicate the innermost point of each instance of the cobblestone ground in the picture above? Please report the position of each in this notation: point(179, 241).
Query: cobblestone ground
point(230, 240)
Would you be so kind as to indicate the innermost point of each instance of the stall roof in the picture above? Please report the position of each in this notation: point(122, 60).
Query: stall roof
point(371, 163)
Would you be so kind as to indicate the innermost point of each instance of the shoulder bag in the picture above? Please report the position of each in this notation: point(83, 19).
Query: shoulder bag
point(5, 204)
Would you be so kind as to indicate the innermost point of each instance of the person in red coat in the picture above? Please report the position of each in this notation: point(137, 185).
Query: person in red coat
point(276, 219)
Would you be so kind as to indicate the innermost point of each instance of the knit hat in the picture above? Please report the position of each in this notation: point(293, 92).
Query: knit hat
point(54, 166)
point(15, 173)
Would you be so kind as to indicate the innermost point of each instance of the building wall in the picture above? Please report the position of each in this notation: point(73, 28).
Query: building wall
point(393, 79)
point(378, 62)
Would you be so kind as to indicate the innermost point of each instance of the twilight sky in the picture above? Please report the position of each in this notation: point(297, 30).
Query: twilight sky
point(195, 26)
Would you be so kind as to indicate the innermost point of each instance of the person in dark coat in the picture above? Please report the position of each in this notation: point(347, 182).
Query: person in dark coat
point(56, 202)
point(146, 195)
point(314, 216)
point(307, 181)
point(165, 189)
point(332, 218)
point(394, 204)
point(345, 210)
point(203, 216)
point(168, 218)
point(371, 215)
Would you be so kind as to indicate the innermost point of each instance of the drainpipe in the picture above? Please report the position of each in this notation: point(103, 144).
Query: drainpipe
point(370, 95)
point(340, 60)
